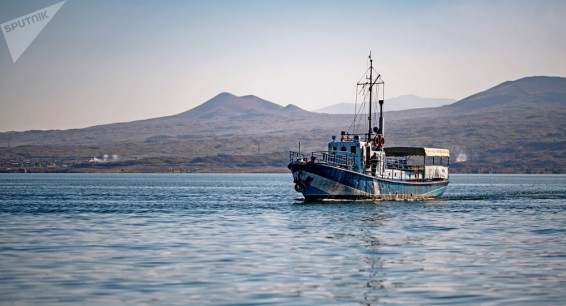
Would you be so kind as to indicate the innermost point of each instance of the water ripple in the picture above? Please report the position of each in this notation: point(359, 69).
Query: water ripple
point(249, 240)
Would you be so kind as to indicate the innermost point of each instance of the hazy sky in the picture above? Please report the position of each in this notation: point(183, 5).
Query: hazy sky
point(102, 61)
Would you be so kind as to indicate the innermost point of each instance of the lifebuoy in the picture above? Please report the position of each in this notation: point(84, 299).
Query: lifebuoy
point(378, 141)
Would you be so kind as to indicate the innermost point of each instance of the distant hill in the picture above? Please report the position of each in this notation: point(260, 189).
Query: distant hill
point(229, 106)
point(516, 126)
point(394, 104)
point(222, 116)
point(526, 93)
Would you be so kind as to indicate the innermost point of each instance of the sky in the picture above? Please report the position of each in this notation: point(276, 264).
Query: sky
point(105, 61)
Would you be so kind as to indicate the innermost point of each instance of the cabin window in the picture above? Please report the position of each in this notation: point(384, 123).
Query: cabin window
point(353, 150)
point(334, 149)
point(343, 148)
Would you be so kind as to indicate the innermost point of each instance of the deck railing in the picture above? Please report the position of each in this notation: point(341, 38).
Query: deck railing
point(344, 160)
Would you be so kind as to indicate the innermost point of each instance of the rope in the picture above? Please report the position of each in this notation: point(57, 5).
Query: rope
point(358, 111)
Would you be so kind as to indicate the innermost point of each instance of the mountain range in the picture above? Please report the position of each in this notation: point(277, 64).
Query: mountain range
point(516, 126)
point(394, 104)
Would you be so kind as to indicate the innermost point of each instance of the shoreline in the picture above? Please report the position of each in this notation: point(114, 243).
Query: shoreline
point(231, 170)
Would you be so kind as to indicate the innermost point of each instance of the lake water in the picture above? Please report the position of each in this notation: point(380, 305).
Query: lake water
point(247, 239)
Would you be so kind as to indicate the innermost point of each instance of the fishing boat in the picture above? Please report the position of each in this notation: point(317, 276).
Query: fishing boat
point(360, 166)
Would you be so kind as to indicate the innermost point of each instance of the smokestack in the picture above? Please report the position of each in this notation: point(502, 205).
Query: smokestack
point(381, 117)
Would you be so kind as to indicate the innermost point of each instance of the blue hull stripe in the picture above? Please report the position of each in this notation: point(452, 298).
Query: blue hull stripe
point(359, 185)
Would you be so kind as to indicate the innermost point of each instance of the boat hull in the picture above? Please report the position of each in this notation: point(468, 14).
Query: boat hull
point(318, 181)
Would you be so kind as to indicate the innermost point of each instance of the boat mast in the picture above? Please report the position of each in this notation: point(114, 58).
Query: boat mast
point(371, 83)
point(370, 90)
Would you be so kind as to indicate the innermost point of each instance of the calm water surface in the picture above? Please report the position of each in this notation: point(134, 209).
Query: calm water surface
point(248, 239)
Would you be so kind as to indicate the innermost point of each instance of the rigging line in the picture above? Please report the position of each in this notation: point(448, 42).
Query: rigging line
point(358, 112)
point(355, 111)
point(364, 76)
point(355, 125)
point(362, 89)
point(361, 112)
point(359, 83)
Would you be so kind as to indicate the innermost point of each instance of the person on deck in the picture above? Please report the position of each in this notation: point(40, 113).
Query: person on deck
point(373, 162)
